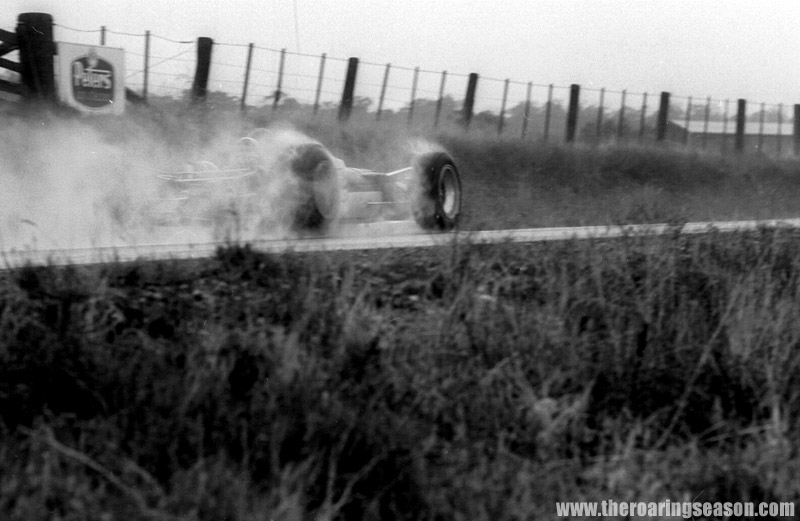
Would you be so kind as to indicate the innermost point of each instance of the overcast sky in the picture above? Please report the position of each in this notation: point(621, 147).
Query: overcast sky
point(723, 49)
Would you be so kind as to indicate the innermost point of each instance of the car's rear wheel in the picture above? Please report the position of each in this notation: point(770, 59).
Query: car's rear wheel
point(318, 194)
point(437, 202)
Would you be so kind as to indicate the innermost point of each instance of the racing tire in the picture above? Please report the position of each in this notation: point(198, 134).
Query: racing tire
point(318, 197)
point(436, 205)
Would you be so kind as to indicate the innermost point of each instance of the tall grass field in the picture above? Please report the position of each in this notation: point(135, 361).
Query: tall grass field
point(465, 382)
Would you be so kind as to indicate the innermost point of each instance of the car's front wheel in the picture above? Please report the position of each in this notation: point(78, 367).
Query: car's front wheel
point(436, 205)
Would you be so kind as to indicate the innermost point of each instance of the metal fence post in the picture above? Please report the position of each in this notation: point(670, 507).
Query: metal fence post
point(383, 91)
point(102, 35)
point(740, 123)
point(319, 82)
point(243, 106)
point(346, 105)
point(572, 112)
point(469, 99)
point(621, 121)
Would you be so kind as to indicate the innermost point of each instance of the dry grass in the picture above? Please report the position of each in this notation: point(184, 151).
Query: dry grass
point(480, 382)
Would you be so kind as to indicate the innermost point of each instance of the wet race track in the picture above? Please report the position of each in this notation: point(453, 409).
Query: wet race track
point(384, 235)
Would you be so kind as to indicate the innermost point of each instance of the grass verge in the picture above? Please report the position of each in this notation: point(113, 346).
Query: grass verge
point(481, 382)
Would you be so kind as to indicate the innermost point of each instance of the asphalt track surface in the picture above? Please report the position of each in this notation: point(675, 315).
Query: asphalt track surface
point(393, 234)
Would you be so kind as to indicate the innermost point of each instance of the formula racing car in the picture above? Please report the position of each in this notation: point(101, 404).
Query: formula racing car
point(283, 181)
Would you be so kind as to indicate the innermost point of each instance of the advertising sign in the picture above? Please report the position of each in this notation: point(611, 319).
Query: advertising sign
point(91, 78)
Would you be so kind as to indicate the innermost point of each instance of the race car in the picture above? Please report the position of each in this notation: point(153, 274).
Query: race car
point(280, 181)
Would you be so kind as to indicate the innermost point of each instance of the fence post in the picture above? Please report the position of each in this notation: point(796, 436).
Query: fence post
point(707, 118)
point(147, 64)
point(740, 122)
point(621, 121)
point(796, 129)
point(383, 91)
point(319, 82)
point(349, 88)
point(724, 127)
point(642, 117)
point(547, 113)
point(279, 87)
point(663, 111)
point(687, 120)
point(527, 113)
point(761, 127)
point(102, 35)
point(200, 85)
point(501, 120)
point(572, 112)
point(599, 129)
point(469, 99)
point(440, 100)
point(413, 95)
point(779, 151)
point(243, 106)
point(36, 51)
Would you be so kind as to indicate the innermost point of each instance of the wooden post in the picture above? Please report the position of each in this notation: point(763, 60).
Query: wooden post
point(469, 99)
point(147, 64)
point(36, 52)
point(440, 100)
point(319, 82)
point(243, 106)
point(707, 117)
point(740, 122)
point(383, 91)
point(279, 87)
point(724, 127)
point(102, 35)
point(599, 128)
point(621, 121)
point(761, 128)
point(413, 96)
point(572, 112)
point(501, 120)
point(663, 112)
point(547, 113)
point(527, 113)
point(202, 69)
point(687, 120)
point(796, 129)
point(346, 105)
point(642, 117)
point(780, 131)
